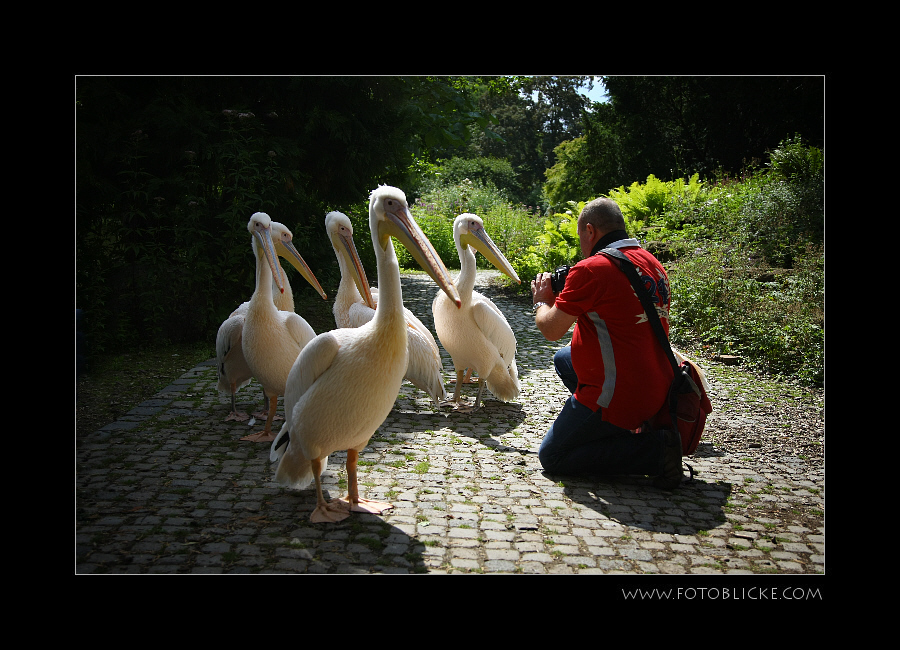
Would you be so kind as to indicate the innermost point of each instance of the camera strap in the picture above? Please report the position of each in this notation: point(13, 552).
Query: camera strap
point(681, 382)
point(627, 266)
point(607, 239)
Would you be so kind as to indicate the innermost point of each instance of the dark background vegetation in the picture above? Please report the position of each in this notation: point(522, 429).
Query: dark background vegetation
point(169, 169)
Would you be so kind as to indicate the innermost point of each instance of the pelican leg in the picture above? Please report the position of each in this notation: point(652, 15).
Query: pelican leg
point(478, 396)
point(234, 415)
point(266, 435)
point(326, 512)
point(461, 407)
point(467, 379)
point(456, 391)
point(357, 504)
point(457, 402)
point(264, 414)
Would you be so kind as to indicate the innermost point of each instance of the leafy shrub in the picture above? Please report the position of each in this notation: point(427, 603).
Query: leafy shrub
point(512, 228)
point(438, 227)
point(568, 176)
point(556, 245)
point(658, 205)
point(793, 161)
point(784, 210)
point(484, 171)
point(776, 325)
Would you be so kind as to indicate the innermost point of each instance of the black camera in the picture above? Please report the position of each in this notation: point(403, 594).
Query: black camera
point(558, 278)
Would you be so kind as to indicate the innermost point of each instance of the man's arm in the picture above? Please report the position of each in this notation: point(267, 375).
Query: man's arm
point(553, 323)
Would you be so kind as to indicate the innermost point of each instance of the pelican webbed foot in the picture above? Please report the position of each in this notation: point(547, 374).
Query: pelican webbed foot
point(262, 415)
point(262, 436)
point(365, 505)
point(331, 512)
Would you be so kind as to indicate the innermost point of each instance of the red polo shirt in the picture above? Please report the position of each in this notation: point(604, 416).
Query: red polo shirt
point(620, 364)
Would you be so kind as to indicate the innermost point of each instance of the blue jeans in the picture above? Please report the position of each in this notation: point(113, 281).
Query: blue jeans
point(579, 442)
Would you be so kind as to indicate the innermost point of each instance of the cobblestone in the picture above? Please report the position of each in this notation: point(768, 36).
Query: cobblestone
point(170, 488)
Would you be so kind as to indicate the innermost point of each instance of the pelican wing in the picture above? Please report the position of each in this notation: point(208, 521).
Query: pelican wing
point(419, 326)
point(234, 355)
point(413, 322)
point(232, 367)
point(299, 329)
point(359, 314)
point(494, 326)
point(314, 359)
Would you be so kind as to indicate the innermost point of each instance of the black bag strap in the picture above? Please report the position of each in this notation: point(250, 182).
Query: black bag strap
point(680, 378)
point(621, 260)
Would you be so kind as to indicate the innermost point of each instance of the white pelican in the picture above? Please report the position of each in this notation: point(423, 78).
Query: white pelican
point(344, 383)
point(354, 305)
point(234, 373)
point(477, 336)
point(272, 339)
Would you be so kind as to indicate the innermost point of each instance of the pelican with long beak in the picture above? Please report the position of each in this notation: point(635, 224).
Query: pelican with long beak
point(234, 373)
point(354, 305)
point(272, 338)
point(344, 383)
point(477, 336)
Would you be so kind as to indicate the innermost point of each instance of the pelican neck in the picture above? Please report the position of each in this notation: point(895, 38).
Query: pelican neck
point(465, 281)
point(265, 291)
point(390, 293)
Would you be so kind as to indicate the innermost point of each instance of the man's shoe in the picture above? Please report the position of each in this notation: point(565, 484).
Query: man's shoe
point(672, 472)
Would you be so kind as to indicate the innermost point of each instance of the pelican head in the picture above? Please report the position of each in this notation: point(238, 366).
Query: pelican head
point(389, 216)
point(468, 230)
point(260, 227)
point(283, 240)
point(340, 233)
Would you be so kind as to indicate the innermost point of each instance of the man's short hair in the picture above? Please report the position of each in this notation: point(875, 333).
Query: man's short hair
point(604, 214)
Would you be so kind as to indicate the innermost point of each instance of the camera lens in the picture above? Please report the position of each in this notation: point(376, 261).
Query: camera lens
point(558, 278)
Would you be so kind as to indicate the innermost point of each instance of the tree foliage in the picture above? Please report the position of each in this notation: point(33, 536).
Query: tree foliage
point(169, 170)
point(534, 115)
point(677, 126)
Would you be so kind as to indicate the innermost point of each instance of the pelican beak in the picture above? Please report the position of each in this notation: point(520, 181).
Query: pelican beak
point(359, 274)
point(300, 264)
point(482, 242)
point(264, 239)
point(401, 225)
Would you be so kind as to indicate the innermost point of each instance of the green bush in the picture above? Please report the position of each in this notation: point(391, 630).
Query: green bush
point(775, 321)
point(655, 207)
point(794, 161)
point(784, 209)
point(556, 245)
point(484, 171)
point(748, 273)
point(512, 228)
point(748, 278)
